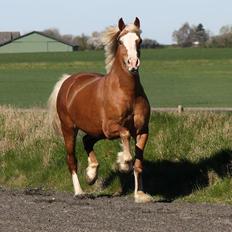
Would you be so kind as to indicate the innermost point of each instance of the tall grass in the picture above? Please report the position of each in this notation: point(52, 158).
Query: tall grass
point(188, 156)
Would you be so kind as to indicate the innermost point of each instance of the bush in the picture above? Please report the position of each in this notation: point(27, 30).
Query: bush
point(220, 41)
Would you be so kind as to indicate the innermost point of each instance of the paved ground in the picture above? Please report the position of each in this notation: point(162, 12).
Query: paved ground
point(35, 210)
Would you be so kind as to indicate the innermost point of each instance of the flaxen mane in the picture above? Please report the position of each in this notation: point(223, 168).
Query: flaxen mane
point(109, 40)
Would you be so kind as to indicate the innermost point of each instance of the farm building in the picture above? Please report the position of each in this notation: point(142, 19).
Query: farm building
point(35, 42)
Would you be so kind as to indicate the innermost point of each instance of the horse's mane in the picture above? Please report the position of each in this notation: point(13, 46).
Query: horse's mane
point(109, 40)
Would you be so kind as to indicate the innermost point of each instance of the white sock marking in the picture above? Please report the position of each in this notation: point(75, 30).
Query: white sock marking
point(136, 182)
point(91, 170)
point(124, 161)
point(76, 185)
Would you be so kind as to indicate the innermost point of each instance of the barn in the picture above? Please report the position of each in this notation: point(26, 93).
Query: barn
point(36, 42)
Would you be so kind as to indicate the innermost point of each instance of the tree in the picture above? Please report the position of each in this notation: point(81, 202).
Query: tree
point(183, 35)
point(200, 34)
point(226, 29)
point(150, 43)
point(52, 32)
point(67, 38)
point(224, 39)
point(187, 35)
point(95, 42)
point(81, 41)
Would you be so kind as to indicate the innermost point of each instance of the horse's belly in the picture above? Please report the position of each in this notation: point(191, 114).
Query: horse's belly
point(86, 112)
point(81, 98)
point(90, 123)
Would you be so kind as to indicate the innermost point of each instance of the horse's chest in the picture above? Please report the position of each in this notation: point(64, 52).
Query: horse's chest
point(124, 110)
point(127, 118)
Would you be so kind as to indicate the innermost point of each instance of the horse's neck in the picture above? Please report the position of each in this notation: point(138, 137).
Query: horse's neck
point(123, 79)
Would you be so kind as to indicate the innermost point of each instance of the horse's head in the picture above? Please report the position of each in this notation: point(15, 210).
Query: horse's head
point(129, 42)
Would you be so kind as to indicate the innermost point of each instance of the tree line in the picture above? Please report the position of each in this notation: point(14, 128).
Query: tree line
point(186, 36)
point(92, 42)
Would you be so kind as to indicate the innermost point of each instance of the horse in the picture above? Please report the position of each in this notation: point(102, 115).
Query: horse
point(110, 106)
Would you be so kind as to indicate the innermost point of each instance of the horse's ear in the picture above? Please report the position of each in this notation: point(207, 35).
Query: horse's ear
point(121, 24)
point(137, 22)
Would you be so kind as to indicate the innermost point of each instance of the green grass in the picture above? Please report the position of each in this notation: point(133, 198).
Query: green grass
point(190, 77)
point(188, 157)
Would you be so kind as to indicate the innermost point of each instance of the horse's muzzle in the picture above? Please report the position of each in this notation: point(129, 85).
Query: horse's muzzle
point(133, 70)
point(133, 64)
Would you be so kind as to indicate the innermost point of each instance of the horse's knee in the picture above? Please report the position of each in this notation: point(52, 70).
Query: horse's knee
point(124, 134)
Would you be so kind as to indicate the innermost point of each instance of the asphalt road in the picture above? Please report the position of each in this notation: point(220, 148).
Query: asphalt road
point(35, 210)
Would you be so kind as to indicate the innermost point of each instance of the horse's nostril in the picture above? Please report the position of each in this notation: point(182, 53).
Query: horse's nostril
point(133, 62)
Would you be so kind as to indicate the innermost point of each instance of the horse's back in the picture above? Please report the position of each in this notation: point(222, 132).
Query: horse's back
point(79, 102)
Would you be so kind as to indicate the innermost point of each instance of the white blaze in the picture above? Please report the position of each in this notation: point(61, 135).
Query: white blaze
point(129, 41)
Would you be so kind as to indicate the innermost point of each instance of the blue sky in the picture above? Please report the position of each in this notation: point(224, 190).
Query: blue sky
point(158, 18)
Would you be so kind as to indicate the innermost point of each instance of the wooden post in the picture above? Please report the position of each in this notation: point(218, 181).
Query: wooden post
point(180, 109)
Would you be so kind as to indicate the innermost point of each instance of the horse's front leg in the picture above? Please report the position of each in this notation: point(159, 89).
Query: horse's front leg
point(140, 196)
point(124, 159)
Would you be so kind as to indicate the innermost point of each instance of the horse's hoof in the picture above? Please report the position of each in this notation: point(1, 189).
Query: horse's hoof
point(89, 180)
point(85, 196)
point(141, 197)
point(79, 195)
point(91, 174)
point(125, 167)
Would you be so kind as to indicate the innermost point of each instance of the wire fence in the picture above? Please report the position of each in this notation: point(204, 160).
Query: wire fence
point(177, 109)
point(181, 109)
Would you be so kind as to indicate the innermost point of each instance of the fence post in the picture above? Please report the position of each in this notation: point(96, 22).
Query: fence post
point(180, 109)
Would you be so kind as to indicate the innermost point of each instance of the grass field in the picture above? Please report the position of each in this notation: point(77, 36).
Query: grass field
point(188, 157)
point(190, 77)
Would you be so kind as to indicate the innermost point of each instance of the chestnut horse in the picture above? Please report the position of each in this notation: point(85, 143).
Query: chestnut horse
point(107, 106)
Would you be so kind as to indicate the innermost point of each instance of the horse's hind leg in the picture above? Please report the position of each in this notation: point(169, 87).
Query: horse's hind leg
point(92, 169)
point(70, 140)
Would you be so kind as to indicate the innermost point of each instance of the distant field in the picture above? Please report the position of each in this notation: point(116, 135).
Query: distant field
point(191, 77)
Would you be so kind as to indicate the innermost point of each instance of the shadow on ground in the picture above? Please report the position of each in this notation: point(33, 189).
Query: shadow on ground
point(171, 179)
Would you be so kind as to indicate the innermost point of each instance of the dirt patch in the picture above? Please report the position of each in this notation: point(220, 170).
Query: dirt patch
point(36, 210)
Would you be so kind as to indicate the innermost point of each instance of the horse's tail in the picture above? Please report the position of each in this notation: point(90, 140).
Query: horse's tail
point(54, 119)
